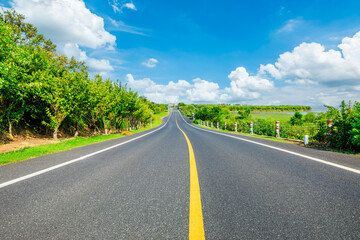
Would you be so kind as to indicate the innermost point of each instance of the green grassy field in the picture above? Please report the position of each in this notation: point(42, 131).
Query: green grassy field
point(275, 116)
point(67, 144)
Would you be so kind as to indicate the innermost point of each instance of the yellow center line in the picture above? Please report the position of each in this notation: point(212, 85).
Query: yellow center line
point(196, 225)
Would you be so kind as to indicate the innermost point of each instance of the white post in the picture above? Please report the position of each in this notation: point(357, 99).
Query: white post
point(251, 128)
point(217, 125)
point(207, 124)
point(212, 124)
point(151, 122)
point(306, 139)
point(277, 129)
point(235, 126)
point(328, 134)
point(225, 125)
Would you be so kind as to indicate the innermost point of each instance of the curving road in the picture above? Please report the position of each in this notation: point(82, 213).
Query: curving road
point(139, 188)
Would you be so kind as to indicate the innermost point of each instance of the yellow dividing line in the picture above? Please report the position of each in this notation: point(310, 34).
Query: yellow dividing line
point(196, 225)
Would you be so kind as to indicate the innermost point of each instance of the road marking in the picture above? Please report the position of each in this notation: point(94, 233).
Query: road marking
point(280, 149)
point(196, 225)
point(16, 180)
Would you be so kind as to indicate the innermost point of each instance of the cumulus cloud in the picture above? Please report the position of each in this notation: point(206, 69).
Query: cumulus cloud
point(66, 21)
point(95, 65)
point(244, 86)
point(170, 93)
point(311, 62)
point(70, 25)
point(150, 63)
point(140, 84)
point(201, 91)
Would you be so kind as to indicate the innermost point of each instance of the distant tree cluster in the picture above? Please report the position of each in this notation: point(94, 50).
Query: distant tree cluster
point(42, 91)
point(259, 108)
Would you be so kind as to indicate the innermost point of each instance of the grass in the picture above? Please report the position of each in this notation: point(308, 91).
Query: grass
point(275, 116)
point(67, 144)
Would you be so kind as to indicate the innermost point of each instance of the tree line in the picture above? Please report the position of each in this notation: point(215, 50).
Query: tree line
point(42, 91)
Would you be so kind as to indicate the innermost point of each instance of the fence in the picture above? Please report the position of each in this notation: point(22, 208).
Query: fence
point(267, 128)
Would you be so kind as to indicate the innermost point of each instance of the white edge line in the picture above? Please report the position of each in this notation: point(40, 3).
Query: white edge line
point(279, 149)
point(16, 180)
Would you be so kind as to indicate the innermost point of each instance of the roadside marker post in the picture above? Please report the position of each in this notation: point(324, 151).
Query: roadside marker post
point(212, 124)
point(235, 126)
point(217, 125)
point(207, 124)
point(251, 128)
point(277, 129)
point(306, 139)
point(225, 125)
point(328, 134)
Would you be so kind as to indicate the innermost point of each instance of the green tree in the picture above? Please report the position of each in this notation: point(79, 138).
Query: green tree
point(310, 117)
point(296, 119)
point(244, 114)
point(58, 91)
point(355, 127)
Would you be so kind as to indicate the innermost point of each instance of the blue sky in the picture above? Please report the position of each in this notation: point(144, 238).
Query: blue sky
point(211, 51)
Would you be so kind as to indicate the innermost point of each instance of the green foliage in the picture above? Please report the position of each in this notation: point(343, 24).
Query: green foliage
point(297, 119)
point(244, 114)
point(345, 128)
point(355, 126)
point(310, 117)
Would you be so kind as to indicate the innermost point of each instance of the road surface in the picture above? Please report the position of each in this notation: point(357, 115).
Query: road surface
point(149, 186)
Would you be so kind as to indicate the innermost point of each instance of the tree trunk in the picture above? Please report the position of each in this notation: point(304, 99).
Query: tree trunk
point(55, 132)
point(106, 132)
point(10, 128)
point(97, 128)
point(77, 129)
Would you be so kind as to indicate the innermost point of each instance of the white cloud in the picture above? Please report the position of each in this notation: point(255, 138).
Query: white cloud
point(139, 84)
point(150, 63)
point(122, 27)
point(244, 86)
point(66, 21)
point(170, 93)
point(70, 25)
point(118, 6)
point(200, 91)
point(129, 6)
point(96, 65)
point(203, 91)
point(290, 25)
point(311, 62)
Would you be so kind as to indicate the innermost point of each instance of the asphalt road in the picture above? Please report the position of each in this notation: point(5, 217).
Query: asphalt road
point(140, 190)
